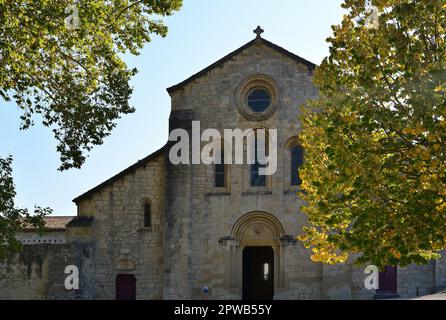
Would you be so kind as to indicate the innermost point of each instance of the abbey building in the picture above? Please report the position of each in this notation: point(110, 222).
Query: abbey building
point(158, 230)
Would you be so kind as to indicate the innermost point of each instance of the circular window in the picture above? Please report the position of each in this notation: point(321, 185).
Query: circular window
point(259, 99)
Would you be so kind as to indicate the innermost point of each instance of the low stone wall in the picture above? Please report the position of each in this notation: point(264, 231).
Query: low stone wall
point(38, 272)
point(440, 273)
point(416, 280)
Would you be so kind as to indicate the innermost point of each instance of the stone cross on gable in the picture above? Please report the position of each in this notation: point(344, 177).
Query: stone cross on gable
point(258, 31)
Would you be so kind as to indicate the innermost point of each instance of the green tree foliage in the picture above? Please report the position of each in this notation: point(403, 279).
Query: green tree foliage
point(374, 178)
point(12, 219)
point(62, 64)
point(70, 71)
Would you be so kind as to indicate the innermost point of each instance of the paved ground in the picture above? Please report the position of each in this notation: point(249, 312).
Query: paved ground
point(437, 296)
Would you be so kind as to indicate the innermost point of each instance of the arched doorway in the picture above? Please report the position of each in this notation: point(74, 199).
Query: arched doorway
point(256, 261)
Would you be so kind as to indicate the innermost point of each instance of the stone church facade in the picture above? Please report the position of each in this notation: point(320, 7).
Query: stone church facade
point(163, 231)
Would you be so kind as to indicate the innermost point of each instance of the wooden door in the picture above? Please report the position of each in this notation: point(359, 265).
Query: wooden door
point(387, 281)
point(125, 287)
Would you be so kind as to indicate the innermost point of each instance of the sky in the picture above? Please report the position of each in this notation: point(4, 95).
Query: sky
point(202, 32)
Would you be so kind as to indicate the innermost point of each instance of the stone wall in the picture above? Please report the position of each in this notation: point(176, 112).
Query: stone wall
point(123, 244)
point(204, 214)
point(416, 280)
point(440, 273)
point(38, 272)
point(200, 215)
point(33, 238)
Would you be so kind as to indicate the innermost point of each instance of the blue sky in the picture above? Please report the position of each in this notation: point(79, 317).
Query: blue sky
point(201, 33)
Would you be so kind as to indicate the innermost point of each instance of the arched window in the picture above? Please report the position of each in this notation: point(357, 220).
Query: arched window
point(147, 219)
point(220, 172)
point(266, 271)
point(260, 148)
point(297, 159)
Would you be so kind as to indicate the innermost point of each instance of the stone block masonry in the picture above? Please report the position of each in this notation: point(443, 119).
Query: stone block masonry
point(38, 272)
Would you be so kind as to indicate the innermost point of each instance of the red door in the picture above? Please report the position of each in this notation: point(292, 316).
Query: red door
point(125, 287)
point(387, 281)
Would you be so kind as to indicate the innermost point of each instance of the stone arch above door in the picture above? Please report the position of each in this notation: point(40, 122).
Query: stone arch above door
point(258, 229)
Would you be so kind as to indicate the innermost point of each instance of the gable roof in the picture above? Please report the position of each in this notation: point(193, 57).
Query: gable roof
point(132, 168)
point(80, 221)
point(52, 223)
point(311, 66)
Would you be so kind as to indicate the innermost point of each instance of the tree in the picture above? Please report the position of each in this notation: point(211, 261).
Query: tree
point(61, 62)
point(375, 140)
point(12, 219)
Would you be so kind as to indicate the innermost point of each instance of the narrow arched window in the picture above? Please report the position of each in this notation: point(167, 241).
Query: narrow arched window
point(220, 172)
point(266, 271)
point(297, 160)
point(147, 219)
point(260, 147)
